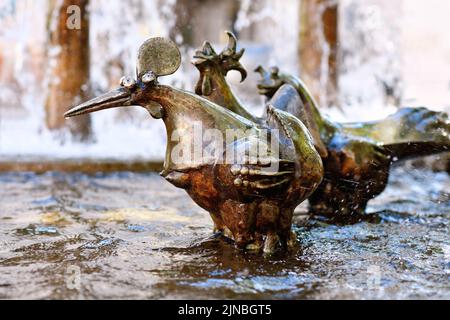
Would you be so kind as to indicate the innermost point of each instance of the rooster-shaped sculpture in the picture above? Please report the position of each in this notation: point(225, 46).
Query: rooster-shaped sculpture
point(250, 184)
point(357, 157)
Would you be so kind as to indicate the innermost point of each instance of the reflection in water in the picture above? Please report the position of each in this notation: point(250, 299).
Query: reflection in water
point(135, 236)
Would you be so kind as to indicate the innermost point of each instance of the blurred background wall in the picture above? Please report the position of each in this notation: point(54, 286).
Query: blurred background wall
point(362, 59)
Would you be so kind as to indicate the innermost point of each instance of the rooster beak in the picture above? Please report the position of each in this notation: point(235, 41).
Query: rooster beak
point(242, 71)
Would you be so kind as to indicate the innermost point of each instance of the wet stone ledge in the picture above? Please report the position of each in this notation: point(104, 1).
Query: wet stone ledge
point(83, 165)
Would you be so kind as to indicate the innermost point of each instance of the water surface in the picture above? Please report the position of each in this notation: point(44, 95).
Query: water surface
point(128, 236)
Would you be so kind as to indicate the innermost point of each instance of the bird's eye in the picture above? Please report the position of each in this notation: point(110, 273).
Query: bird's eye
point(127, 82)
point(148, 77)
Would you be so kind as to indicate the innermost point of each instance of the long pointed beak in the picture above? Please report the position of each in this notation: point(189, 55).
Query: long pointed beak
point(117, 98)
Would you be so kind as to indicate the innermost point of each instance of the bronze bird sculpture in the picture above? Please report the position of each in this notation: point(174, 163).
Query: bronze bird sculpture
point(357, 157)
point(250, 184)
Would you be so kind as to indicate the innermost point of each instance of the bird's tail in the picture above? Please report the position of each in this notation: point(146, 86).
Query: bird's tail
point(409, 133)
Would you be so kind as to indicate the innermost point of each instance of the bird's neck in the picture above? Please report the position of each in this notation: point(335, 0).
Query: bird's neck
point(322, 127)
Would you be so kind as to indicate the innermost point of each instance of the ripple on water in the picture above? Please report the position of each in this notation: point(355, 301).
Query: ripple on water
point(33, 230)
point(135, 236)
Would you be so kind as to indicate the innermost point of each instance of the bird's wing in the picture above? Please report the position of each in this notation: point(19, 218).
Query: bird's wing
point(260, 178)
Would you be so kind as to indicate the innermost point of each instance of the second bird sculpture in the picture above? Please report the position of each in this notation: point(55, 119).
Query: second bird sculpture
point(250, 184)
point(359, 155)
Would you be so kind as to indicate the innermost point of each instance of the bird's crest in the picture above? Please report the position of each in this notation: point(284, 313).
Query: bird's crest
point(160, 56)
